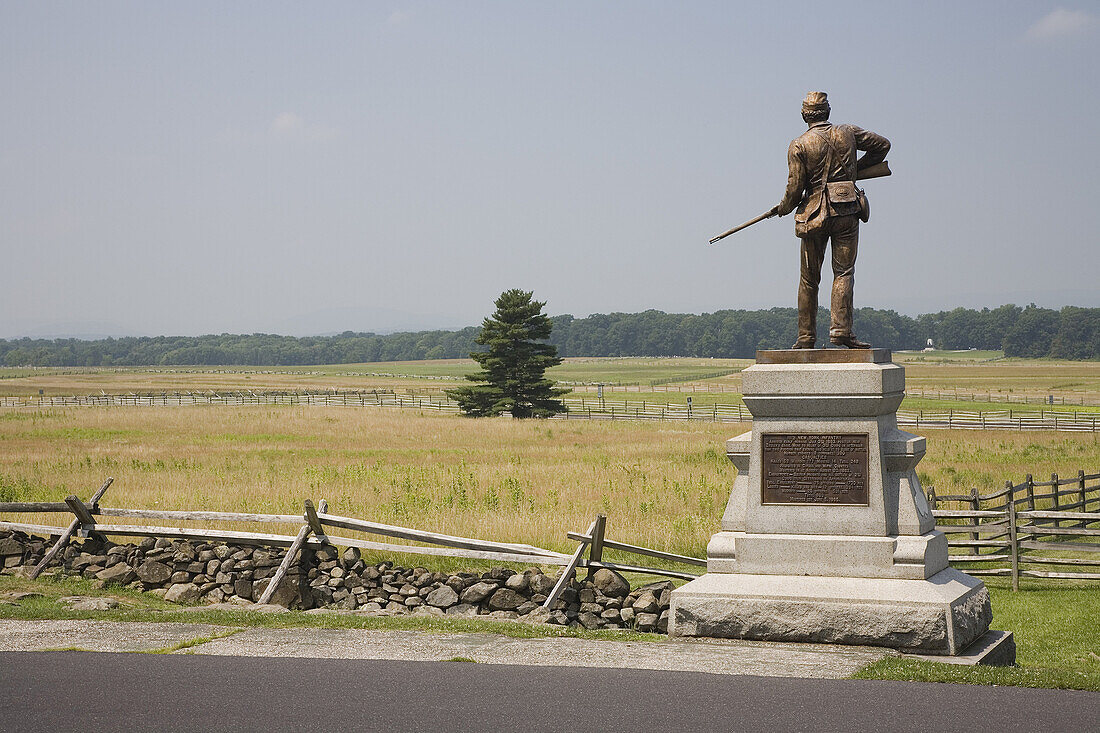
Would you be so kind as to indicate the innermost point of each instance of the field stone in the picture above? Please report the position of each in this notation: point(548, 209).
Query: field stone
point(645, 621)
point(517, 582)
point(506, 599)
point(592, 621)
point(610, 583)
point(541, 584)
point(120, 573)
point(537, 615)
point(91, 604)
point(558, 618)
point(268, 608)
point(182, 593)
point(442, 597)
point(283, 596)
point(152, 572)
point(646, 604)
point(351, 556)
point(462, 609)
point(478, 592)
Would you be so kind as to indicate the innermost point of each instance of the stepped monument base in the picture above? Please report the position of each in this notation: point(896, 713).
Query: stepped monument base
point(827, 536)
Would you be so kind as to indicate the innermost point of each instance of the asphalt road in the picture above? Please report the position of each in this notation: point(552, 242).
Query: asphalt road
point(60, 691)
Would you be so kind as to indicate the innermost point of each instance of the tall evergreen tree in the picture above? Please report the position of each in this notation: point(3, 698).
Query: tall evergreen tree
point(512, 368)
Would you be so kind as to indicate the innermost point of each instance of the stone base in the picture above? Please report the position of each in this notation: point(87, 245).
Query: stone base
point(909, 557)
point(992, 649)
point(941, 615)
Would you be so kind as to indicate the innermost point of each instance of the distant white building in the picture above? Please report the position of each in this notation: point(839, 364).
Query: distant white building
point(929, 347)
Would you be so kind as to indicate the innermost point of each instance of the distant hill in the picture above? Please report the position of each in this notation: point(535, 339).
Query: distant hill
point(1069, 333)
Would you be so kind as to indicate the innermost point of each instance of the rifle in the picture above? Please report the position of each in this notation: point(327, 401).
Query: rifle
point(766, 215)
point(879, 170)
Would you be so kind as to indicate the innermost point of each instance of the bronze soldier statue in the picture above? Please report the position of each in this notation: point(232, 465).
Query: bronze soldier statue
point(821, 183)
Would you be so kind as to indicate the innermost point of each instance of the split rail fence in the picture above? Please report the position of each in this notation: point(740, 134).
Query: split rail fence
point(1014, 399)
point(580, 408)
point(1034, 529)
point(315, 522)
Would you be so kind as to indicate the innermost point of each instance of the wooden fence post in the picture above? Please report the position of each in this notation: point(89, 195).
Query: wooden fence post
point(312, 525)
point(313, 522)
point(1081, 490)
point(569, 570)
point(976, 505)
point(87, 521)
point(1014, 545)
point(1054, 496)
point(595, 551)
point(68, 533)
point(284, 566)
point(1029, 487)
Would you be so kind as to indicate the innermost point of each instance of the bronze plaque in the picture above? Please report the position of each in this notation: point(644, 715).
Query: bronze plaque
point(814, 468)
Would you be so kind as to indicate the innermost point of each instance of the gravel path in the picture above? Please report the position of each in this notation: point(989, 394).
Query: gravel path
point(680, 655)
point(99, 636)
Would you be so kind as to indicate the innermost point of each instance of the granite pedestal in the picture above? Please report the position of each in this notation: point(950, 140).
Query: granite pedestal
point(827, 536)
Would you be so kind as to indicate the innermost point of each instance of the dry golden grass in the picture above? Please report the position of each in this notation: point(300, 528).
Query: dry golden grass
point(662, 485)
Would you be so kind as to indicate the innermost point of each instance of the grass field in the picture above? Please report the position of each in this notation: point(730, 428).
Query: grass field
point(981, 383)
point(662, 484)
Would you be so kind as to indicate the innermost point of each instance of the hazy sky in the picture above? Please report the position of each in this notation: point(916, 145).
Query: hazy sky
point(186, 168)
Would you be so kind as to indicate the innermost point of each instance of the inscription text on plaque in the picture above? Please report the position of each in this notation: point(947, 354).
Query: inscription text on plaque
point(814, 468)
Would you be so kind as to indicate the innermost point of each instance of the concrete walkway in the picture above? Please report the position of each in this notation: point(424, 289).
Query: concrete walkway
point(678, 655)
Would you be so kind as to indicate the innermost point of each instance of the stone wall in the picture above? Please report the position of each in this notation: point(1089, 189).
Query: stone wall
point(193, 572)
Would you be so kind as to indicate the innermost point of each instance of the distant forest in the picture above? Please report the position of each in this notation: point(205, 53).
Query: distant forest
point(1069, 333)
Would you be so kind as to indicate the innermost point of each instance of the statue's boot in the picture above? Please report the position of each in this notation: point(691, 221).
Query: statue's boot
point(849, 342)
point(803, 345)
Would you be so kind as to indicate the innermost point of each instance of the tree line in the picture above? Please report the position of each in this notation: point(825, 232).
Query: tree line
point(1069, 333)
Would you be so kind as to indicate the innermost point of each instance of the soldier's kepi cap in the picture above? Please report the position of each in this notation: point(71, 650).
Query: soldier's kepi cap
point(815, 101)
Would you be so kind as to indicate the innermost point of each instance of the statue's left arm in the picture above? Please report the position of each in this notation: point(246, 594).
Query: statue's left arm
point(875, 147)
